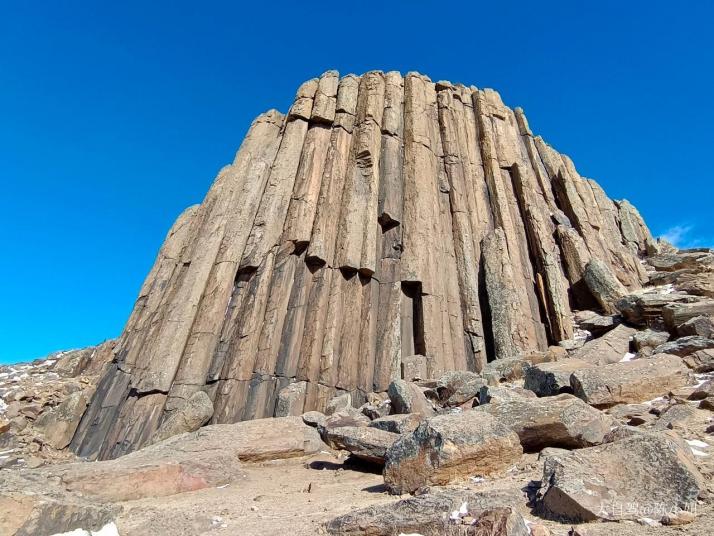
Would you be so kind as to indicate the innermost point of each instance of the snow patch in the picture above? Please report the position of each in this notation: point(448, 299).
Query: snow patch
point(697, 444)
point(461, 512)
point(700, 453)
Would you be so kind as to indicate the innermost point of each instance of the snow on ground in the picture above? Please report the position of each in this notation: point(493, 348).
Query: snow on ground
point(627, 357)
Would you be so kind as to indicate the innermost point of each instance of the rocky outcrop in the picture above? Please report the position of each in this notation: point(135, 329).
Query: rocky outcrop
point(382, 217)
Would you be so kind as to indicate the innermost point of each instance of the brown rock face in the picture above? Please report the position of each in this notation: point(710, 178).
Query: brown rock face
point(384, 216)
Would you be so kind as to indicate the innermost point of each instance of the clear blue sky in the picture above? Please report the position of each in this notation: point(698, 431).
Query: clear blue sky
point(115, 117)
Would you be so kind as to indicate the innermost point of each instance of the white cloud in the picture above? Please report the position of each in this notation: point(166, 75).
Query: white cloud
point(684, 236)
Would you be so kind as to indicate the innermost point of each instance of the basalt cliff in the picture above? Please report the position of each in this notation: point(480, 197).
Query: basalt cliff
point(383, 217)
point(394, 289)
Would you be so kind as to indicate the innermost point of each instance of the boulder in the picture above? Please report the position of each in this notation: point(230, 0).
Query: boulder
point(367, 443)
point(595, 323)
point(350, 417)
point(633, 414)
point(685, 346)
point(209, 457)
point(560, 421)
point(610, 348)
point(506, 370)
point(414, 367)
point(458, 386)
point(603, 285)
point(314, 418)
point(699, 325)
point(670, 262)
point(34, 507)
point(400, 423)
point(291, 399)
point(494, 513)
point(547, 379)
point(339, 403)
point(59, 424)
point(701, 361)
point(407, 397)
point(500, 393)
point(647, 309)
point(448, 448)
point(676, 417)
point(643, 472)
point(705, 390)
point(648, 339)
point(189, 417)
point(707, 404)
point(699, 284)
point(676, 314)
point(630, 382)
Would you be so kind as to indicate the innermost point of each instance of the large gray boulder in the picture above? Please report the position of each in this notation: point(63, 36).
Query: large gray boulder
point(189, 417)
point(367, 443)
point(407, 397)
point(595, 323)
point(560, 421)
point(603, 285)
point(494, 513)
point(548, 379)
point(458, 386)
point(699, 325)
point(610, 348)
point(400, 423)
point(60, 423)
point(449, 448)
point(291, 400)
point(685, 346)
point(630, 382)
point(701, 361)
point(641, 475)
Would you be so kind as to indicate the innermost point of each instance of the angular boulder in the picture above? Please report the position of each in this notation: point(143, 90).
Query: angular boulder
point(400, 423)
point(685, 346)
point(610, 348)
point(701, 361)
point(407, 397)
point(646, 340)
point(641, 475)
point(448, 448)
point(548, 379)
point(560, 421)
point(603, 285)
point(458, 386)
point(189, 417)
point(630, 382)
point(291, 400)
point(676, 314)
point(60, 423)
point(493, 513)
point(595, 323)
point(699, 325)
point(367, 443)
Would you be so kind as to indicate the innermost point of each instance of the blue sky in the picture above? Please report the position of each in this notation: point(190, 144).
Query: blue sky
point(114, 116)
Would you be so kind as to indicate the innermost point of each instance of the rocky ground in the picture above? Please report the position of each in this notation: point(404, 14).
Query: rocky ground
point(608, 433)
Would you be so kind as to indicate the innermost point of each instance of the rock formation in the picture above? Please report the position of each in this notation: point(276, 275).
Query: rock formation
point(383, 216)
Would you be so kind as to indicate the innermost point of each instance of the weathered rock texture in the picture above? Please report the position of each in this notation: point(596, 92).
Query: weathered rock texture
point(383, 216)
